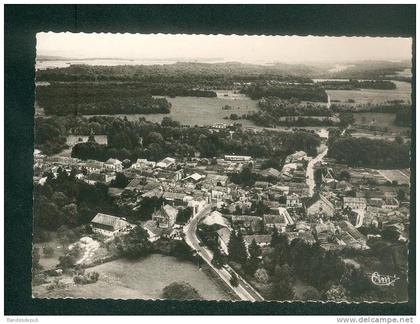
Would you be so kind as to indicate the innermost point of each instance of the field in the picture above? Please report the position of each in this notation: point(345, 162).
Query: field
point(378, 120)
point(401, 176)
point(365, 96)
point(142, 279)
point(205, 111)
point(48, 263)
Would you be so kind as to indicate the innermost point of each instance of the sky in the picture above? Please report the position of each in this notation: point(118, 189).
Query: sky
point(249, 49)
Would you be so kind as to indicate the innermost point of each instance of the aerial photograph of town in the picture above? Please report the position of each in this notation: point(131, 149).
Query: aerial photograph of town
point(222, 167)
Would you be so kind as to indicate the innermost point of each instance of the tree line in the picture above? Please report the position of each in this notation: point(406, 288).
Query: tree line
point(373, 153)
point(142, 139)
point(96, 99)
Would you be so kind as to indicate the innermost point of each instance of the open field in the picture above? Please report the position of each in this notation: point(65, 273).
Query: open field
point(204, 111)
point(401, 176)
point(48, 263)
point(142, 279)
point(372, 96)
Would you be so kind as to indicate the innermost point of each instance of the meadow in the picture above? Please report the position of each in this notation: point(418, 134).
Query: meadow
point(372, 96)
point(204, 111)
point(141, 279)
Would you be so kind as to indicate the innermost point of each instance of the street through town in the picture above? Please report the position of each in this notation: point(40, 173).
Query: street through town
point(244, 291)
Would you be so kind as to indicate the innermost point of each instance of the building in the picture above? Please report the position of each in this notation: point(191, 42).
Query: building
point(293, 200)
point(262, 240)
point(94, 178)
point(165, 217)
point(247, 224)
point(270, 173)
point(279, 220)
point(197, 205)
point(354, 203)
point(142, 164)
point(113, 164)
point(237, 158)
point(319, 205)
point(165, 163)
point(109, 225)
point(390, 203)
point(216, 218)
point(297, 157)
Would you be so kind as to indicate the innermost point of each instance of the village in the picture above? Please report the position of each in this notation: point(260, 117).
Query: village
point(314, 199)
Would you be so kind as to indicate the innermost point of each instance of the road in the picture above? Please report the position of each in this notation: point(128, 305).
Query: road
point(244, 291)
point(310, 179)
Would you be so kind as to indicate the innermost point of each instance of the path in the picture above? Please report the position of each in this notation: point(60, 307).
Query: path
point(244, 290)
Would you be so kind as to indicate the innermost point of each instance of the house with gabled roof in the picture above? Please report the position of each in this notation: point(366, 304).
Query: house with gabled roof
point(319, 205)
point(113, 164)
point(165, 217)
point(109, 225)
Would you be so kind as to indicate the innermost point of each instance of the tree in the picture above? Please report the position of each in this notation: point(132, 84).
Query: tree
point(184, 215)
point(134, 244)
point(254, 249)
point(282, 283)
point(311, 293)
point(261, 275)
point(35, 259)
point(120, 181)
point(48, 251)
point(169, 122)
point(180, 291)
point(234, 280)
point(241, 252)
point(336, 293)
point(217, 260)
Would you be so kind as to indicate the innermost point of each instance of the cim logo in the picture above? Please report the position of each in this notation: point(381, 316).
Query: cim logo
point(383, 280)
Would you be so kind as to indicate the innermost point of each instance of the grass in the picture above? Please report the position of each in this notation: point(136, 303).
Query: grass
point(205, 111)
point(401, 176)
point(366, 96)
point(142, 279)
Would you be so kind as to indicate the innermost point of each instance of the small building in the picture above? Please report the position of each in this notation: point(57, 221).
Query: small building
point(142, 164)
point(95, 177)
point(354, 203)
point(237, 158)
point(293, 200)
point(270, 173)
point(113, 165)
point(297, 157)
point(216, 218)
point(197, 205)
point(248, 224)
point(319, 205)
point(109, 225)
point(165, 163)
point(261, 239)
point(165, 217)
point(279, 220)
point(390, 203)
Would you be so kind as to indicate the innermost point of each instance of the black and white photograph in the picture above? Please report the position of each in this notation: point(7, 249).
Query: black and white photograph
point(221, 167)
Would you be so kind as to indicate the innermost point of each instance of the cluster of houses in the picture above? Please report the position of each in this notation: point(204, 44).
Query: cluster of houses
point(279, 199)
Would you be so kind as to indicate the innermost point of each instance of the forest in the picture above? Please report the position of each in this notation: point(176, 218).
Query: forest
point(215, 76)
point(356, 84)
point(372, 153)
point(98, 98)
point(142, 139)
point(306, 92)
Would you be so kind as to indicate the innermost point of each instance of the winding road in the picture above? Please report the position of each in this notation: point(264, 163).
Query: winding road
point(244, 291)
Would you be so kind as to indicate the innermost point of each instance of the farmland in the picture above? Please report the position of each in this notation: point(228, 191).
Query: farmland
point(204, 111)
point(142, 279)
point(372, 96)
point(400, 176)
